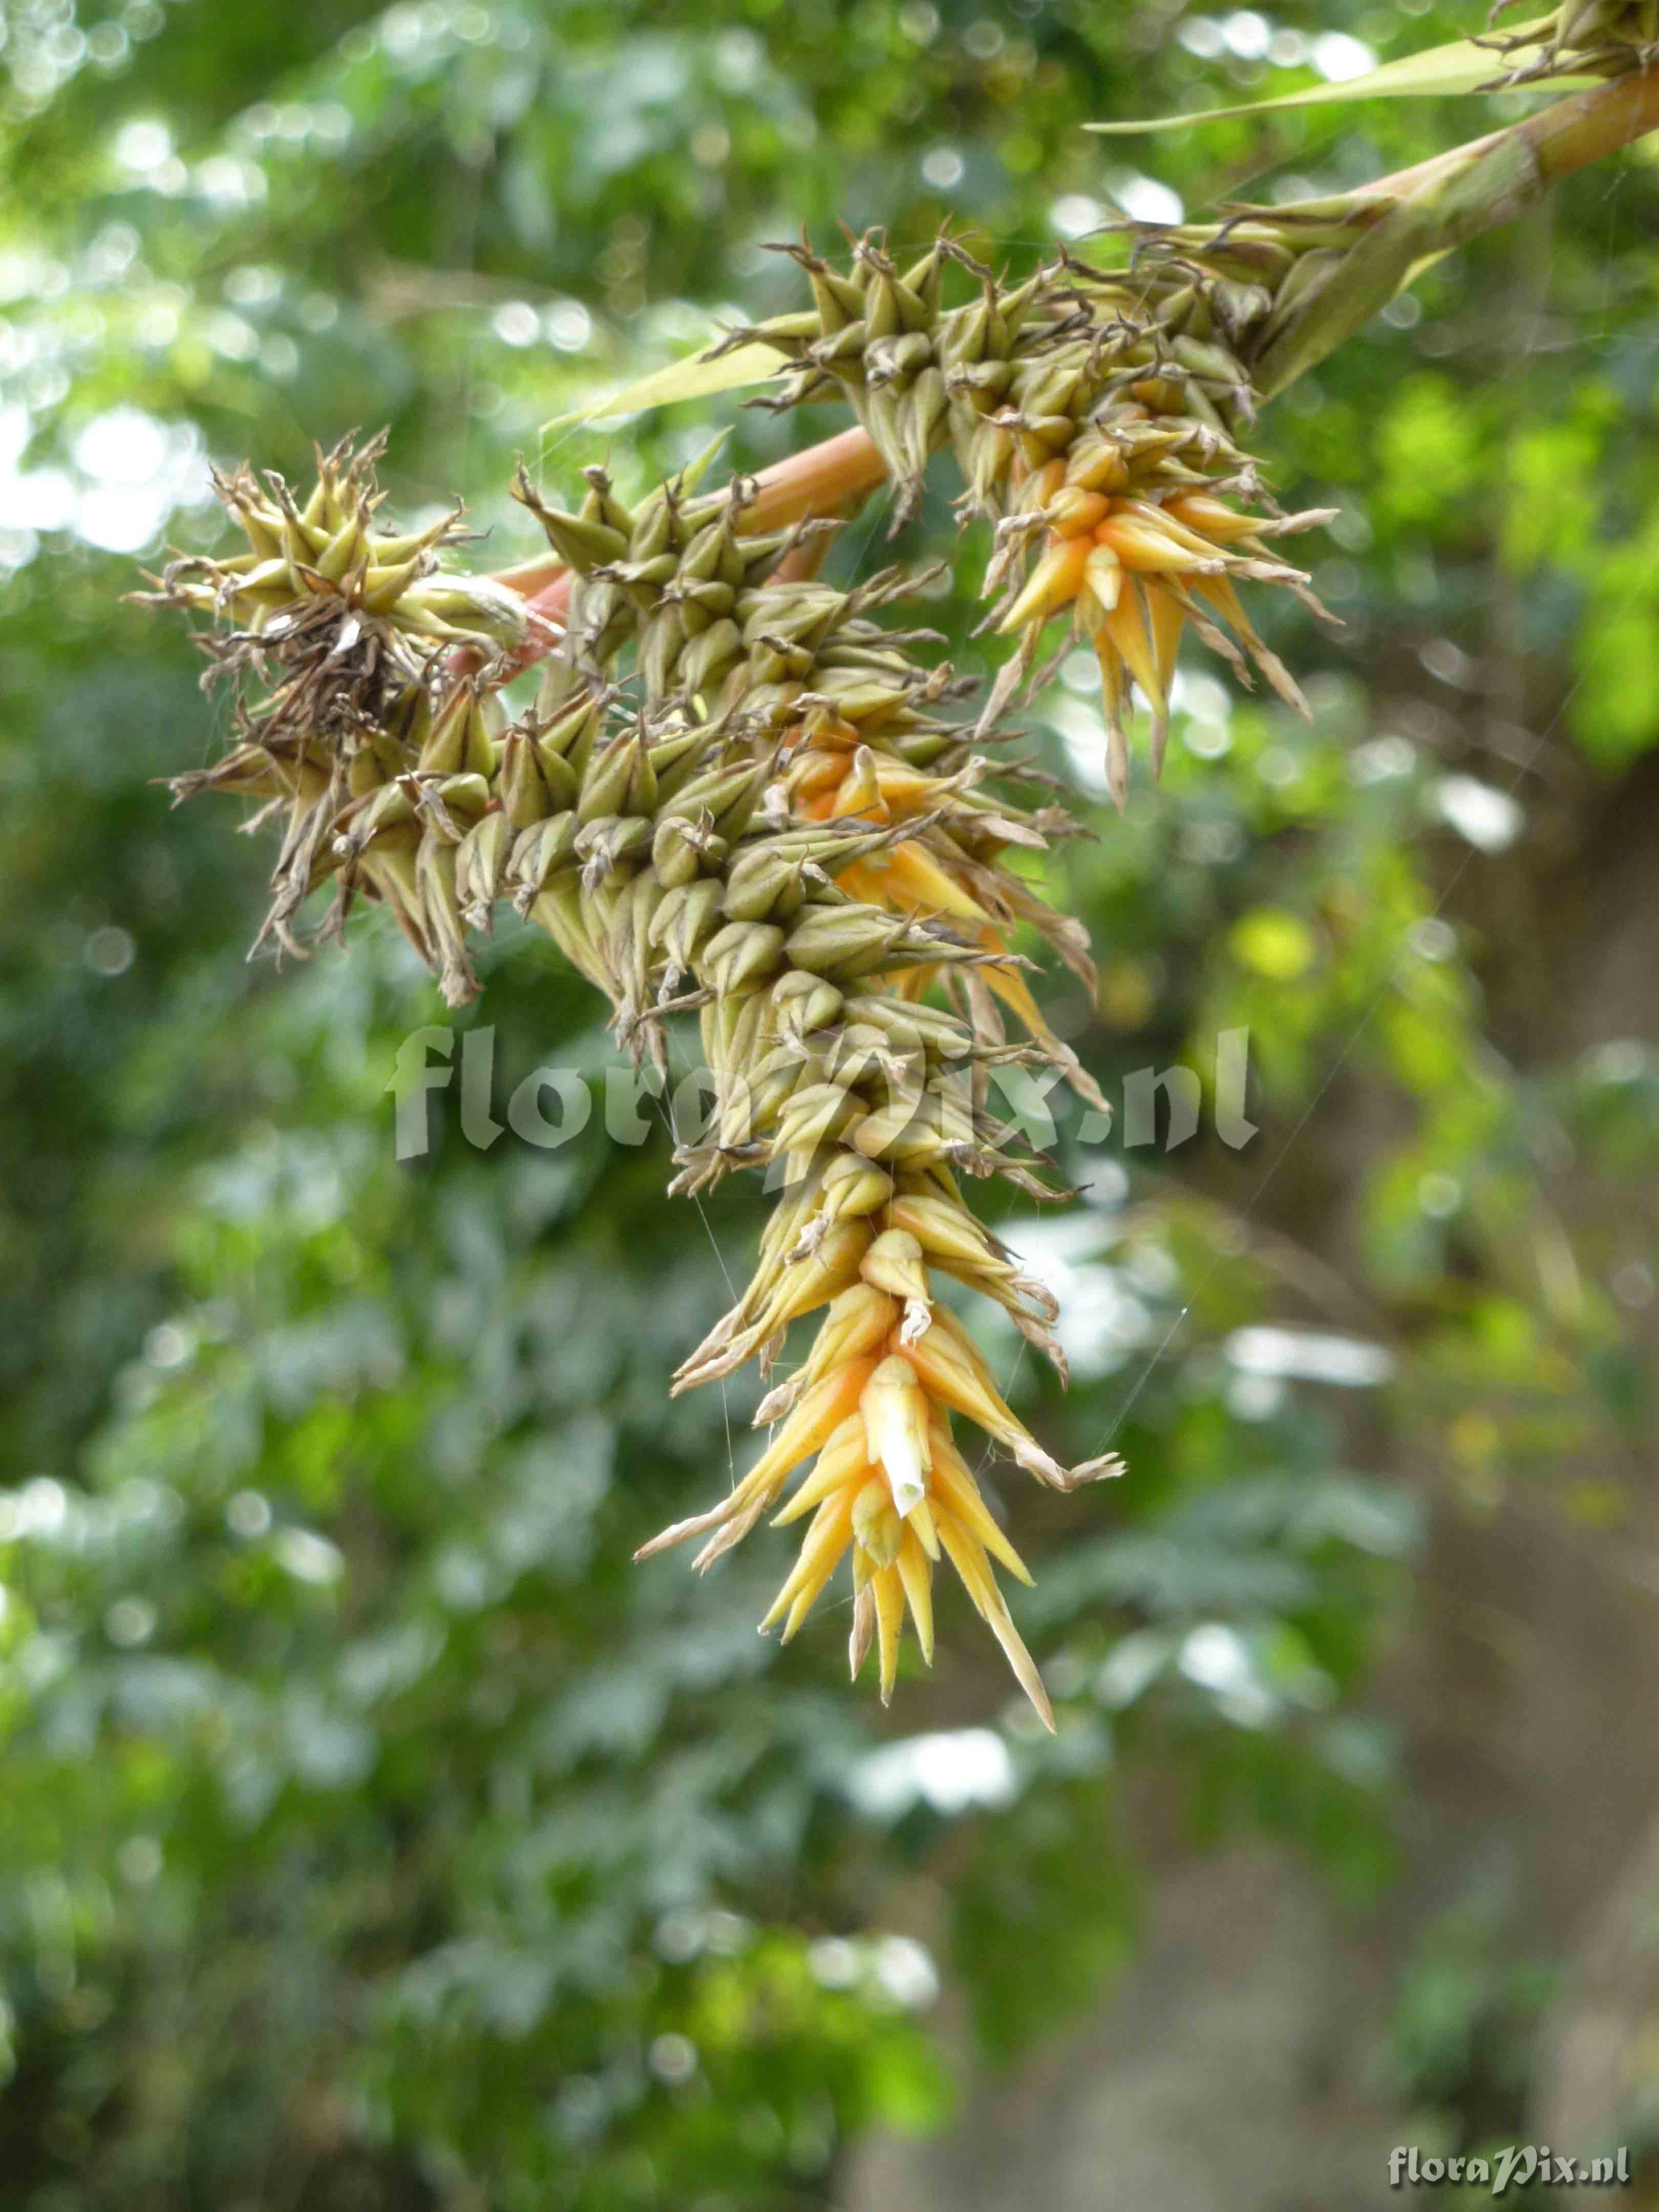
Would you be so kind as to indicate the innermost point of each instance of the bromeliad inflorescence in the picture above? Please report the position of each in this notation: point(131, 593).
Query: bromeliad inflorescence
point(751, 794)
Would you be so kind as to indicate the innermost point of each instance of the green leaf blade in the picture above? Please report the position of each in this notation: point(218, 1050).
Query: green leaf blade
point(697, 376)
point(1439, 72)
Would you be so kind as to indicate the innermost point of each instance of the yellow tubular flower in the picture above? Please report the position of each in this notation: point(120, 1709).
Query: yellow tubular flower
point(1136, 544)
point(871, 1408)
point(837, 773)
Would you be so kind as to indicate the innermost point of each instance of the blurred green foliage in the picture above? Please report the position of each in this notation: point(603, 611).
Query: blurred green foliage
point(1469, 2002)
point(373, 1834)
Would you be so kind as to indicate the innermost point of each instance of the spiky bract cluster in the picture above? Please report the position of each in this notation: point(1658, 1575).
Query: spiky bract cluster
point(336, 635)
point(1094, 417)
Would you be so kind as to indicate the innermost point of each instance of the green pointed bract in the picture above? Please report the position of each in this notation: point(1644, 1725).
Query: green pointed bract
point(329, 565)
point(1006, 375)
